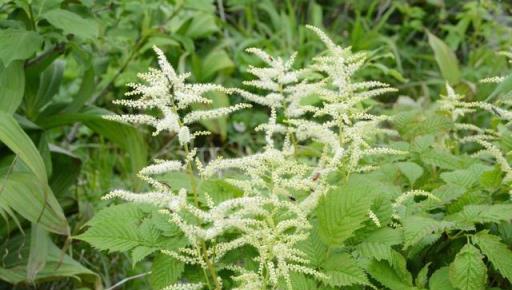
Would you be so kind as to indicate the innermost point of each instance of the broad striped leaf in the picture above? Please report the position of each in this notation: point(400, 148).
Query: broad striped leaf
point(34, 201)
point(18, 141)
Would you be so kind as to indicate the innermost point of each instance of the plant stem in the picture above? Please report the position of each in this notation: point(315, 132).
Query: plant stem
point(203, 249)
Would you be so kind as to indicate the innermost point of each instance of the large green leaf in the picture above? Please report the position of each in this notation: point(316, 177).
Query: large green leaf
point(58, 264)
point(417, 228)
point(18, 141)
point(126, 136)
point(34, 201)
point(497, 252)
point(343, 270)
point(483, 213)
point(38, 251)
point(18, 45)
point(340, 213)
point(12, 82)
point(130, 226)
point(165, 271)
point(392, 274)
point(72, 23)
point(411, 170)
point(116, 228)
point(468, 271)
point(445, 58)
point(440, 280)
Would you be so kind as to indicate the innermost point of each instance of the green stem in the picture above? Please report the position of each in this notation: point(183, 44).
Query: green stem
point(203, 249)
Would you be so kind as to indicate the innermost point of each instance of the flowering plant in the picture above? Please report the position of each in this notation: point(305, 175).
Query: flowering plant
point(316, 207)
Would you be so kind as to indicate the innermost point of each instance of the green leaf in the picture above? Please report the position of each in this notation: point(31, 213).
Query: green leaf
point(72, 23)
point(217, 126)
point(314, 248)
point(340, 213)
point(85, 92)
point(18, 45)
point(17, 140)
point(464, 178)
point(33, 201)
point(440, 280)
point(343, 270)
point(445, 58)
point(165, 271)
point(442, 159)
point(422, 278)
point(417, 228)
point(12, 82)
point(483, 213)
point(126, 136)
point(468, 271)
point(49, 84)
point(39, 240)
point(216, 61)
point(299, 281)
point(393, 274)
point(411, 170)
point(218, 190)
point(378, 244)
point(498, 253)
point(491, 179)
point(116, 228)
point(57, 265)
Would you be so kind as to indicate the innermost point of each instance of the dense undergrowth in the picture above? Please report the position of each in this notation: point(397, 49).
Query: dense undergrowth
point(292, 145)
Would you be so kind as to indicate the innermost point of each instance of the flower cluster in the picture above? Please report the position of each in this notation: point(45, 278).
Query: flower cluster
point(280, 188)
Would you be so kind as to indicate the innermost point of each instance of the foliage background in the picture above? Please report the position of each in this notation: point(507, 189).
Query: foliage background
point(61, 61)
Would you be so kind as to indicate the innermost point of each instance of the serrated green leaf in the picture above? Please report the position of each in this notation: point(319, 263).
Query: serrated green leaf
point(442, 159)
point(411, 170)
point(299, 281)
point(116, 228)
point(465, 178)
point(440, 280)
point(340, 213)
point(468, 271)
point(219, 190)
point(378, 244)
point(165, 271)
point(483, 213)
point(491, 179)
point(343, 270)
point(422, 277)
point(498, 253)
point(314, 248)
point(417, 228)
point(393, 275)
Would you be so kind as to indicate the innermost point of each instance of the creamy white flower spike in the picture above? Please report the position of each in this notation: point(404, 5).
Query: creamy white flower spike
point(165, 90)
